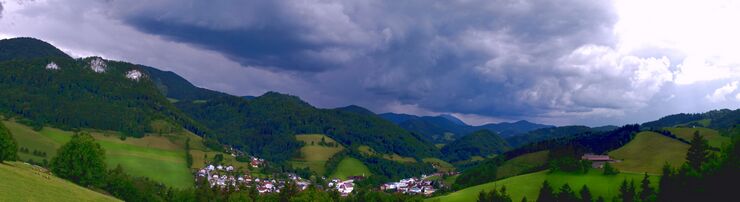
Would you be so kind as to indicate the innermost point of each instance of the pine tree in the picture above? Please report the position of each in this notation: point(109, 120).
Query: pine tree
point(546, 193)
point(626, 191)
point(566, 194)
point(697, 154)
point(8, 146)
point(586, 194)
point(647, 192)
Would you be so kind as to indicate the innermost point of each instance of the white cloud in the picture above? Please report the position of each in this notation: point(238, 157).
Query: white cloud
point(721, 93)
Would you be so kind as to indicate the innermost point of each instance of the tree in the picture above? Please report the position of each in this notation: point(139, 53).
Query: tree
point(546, 192)
point(627, 191)
point(81, 161)
point(566, 194)
point(609, 170)
point(647, 192)
point(586, 194)
point(8, 146)
point(697, 154)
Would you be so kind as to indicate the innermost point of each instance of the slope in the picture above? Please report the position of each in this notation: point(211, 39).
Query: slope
point(528, 185)
point(317, 149)
point(479, 143)
point(23, 182)
point(155, 157)
point(648, 152)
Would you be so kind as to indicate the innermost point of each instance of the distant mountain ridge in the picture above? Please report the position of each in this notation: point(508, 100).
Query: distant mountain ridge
point(446, 128)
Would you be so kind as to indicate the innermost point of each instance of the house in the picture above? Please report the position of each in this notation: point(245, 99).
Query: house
point(597, 161)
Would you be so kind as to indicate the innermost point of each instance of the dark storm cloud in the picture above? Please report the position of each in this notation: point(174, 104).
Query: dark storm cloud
point(491, 58)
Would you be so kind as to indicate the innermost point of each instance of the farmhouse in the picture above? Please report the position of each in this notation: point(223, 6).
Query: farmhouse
point(597, 161)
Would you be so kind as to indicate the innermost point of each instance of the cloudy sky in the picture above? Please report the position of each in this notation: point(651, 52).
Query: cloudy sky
point(558, 62)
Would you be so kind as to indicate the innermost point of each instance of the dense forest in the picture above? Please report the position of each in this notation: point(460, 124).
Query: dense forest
point(480, 143)
point(266, 124)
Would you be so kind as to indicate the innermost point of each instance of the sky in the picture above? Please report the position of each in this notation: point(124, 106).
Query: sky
point(581, 62)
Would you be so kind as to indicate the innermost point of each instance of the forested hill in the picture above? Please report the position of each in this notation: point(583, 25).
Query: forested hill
point(28, 48)
point(447, 128)
point(481, 143)
point(175, 87)
point(41, 85)
point(722, 120)
point(266, 124)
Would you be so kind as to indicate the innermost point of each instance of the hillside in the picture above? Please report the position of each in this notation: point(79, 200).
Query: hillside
point(528, 185)
point(479, 143)
point(156, 157)
point(28, 48)
point(81, 93)
point(175, 87)
point(265, 126)
point(316, 150)
point(446, 128)
point(723, 120)
point(648, 152)
point(23, 182)
point(714, 139)
point(545, 134)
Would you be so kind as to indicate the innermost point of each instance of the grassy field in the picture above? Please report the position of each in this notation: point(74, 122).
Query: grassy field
point(529, 185)
point(350, 167)
point(440, 164)
point(395, 157)
point(23, 182)
point(712, 136)
point(648, 152)
point(156, 157)
point(313, 155)
point(521, 164)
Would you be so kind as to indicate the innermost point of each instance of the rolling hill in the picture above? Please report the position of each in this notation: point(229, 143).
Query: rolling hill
point(155, 157)
point(528, 185)
point(479, 143)
point(314, 153)
point(648, 152)
point(24, 182)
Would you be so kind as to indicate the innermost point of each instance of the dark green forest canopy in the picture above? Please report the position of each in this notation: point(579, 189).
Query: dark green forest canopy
point(265, 125)
point(479, 143)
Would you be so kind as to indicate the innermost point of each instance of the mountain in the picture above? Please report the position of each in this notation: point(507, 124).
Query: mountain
point(723, 120)
point(545, 134)
point(398, 118)
point(175, 87)
point(453, 119)
point(479, 143)
point(446, 128)
point(47, 87)
point(265, 126)
point(28, 48)
point(356, 109)
point(507, 129)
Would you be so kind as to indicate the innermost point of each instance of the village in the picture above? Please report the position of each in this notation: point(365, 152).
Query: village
point(416, 186)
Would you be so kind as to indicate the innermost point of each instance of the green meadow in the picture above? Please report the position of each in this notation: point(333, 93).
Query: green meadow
point(155, 157)
point(648, 152)
point(350, 167)
point(528, 185)
point(313, 155)
point(23, 182)
point(521, 164)
point(712, 136)
point(394, 157)
point(440, 164)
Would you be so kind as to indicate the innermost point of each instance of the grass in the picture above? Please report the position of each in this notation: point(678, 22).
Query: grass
point(313, 155)
point(528, 185)
point(350, 167)
point(712, 136)
point(450, 180)
point(23, 182)
point(155, 157)
point(394, 157)
point(648, 152)
point(439, 146)
point(521, 164)
point(440, 164)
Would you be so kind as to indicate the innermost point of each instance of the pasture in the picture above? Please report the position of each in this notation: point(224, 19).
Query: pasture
point(350, 167)
point(528, 185)
point(155, 157)
point(712, 136)
point(313, 155)
point(648, 152)
point(521, 164)
point(23, 182)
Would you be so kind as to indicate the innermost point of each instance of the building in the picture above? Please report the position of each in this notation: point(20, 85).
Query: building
point(597, 161)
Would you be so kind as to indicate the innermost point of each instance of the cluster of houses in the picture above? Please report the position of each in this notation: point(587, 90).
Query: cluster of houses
point(227, 176)
point(412, 186)
point(343, 187)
